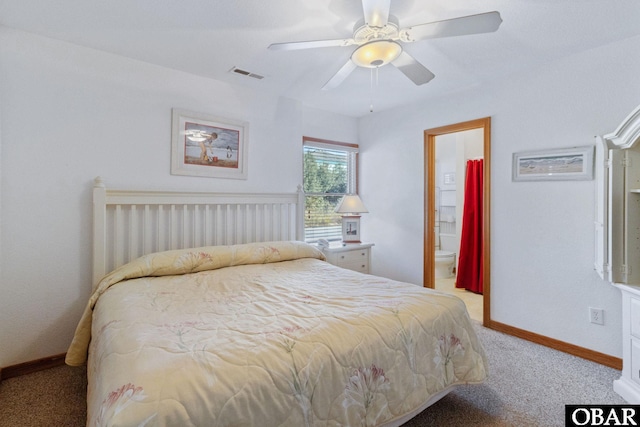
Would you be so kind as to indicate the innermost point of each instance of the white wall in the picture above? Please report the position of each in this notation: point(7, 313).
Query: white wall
point(68, 114)
point(542, 277)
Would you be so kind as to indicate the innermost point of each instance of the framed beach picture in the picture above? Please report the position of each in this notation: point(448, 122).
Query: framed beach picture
point(204, 145)
point(574, 163)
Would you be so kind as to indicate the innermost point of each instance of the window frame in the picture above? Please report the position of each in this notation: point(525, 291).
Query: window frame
point(353, 165)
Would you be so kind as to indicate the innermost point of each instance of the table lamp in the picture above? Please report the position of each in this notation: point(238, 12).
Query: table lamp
point(350, 207)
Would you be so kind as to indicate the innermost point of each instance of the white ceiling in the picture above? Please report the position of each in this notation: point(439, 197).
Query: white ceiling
point(209, 37)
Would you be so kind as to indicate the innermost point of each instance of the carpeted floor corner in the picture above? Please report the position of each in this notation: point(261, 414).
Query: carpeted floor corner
point(53, 397)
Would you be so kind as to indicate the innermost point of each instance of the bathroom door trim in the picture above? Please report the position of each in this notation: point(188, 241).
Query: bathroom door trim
point(430, 202)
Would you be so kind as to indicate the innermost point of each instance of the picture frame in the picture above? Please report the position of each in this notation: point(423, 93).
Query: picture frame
point(351, 229)
point(208, 146)
point(575, 163)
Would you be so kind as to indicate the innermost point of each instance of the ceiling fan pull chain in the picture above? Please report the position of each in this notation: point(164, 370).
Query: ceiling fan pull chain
point(371, 91)
point(372, 87)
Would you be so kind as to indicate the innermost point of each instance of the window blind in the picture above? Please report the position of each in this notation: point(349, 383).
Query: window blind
point(330, 172)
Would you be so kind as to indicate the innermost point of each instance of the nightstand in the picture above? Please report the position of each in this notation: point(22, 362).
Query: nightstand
point(354, 256)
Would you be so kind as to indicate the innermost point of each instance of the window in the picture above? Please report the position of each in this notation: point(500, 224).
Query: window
point(329, 170)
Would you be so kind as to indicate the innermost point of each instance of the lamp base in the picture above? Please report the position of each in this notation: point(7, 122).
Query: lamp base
point(351, 229)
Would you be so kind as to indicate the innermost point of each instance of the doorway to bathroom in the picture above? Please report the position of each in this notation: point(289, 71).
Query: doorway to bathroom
point(449, 152)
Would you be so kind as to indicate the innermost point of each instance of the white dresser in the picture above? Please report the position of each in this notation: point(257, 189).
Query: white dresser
point(617, 232)
point(628, 385)
point(354, 256)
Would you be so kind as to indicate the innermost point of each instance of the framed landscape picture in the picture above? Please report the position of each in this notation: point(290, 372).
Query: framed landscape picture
point(351, 229)
point(563, 164)
point(209, 146)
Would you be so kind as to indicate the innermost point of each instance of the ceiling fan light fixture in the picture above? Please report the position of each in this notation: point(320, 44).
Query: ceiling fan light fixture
point(376, 53)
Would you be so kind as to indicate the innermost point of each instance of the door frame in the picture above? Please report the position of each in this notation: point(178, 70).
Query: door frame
point(430, 202)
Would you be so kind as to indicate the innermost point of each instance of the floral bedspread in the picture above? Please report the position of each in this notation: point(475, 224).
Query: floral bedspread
point(266, 334)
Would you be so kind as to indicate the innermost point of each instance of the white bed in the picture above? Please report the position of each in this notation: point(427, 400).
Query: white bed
point(214, 313)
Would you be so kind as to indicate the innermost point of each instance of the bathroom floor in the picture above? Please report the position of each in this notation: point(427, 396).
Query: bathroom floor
point(472, 301)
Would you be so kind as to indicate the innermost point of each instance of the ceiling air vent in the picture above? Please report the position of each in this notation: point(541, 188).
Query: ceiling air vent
point(246, 73)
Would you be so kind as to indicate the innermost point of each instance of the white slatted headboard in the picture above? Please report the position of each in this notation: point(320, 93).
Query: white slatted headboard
point(128, 224)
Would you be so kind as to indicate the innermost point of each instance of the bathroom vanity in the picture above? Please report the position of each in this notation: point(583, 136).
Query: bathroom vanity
point(617, 229)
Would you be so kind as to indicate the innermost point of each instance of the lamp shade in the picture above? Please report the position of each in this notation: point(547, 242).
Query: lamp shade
point(351, 203)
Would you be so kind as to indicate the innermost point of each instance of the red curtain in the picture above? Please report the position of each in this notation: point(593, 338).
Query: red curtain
point(470, 260)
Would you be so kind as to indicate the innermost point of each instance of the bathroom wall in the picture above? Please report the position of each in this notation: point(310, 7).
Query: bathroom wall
point(446, 193)
point(452, 152)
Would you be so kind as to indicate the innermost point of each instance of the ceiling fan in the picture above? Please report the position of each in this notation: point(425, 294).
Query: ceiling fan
point(379, 37)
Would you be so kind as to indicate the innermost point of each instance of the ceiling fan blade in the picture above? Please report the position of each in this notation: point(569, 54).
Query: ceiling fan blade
point(339, 77)
point(311, 44)
point(415, 71)
point(376, 12)
point(465, 25)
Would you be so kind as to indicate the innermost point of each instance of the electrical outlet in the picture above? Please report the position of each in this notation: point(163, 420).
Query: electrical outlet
point(596, 315)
